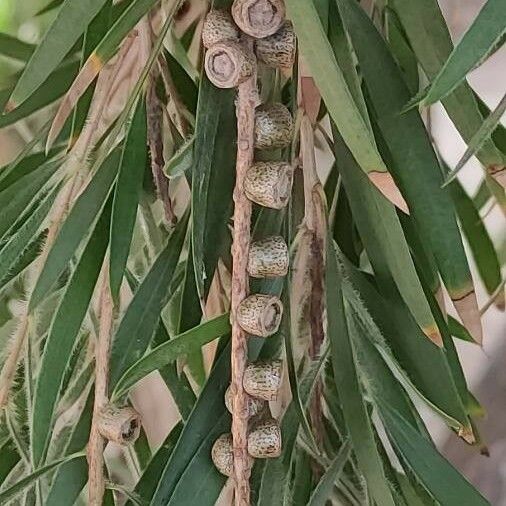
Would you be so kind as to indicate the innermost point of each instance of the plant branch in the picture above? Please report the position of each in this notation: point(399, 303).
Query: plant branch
point(96, 482)
point(247, 100)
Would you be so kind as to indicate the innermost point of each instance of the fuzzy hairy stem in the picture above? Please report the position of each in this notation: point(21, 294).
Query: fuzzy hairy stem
point(247, 100)
point(95, 451)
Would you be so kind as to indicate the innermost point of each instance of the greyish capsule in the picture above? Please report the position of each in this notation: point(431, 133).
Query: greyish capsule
point(260, 315)
point(264, 440)
point(218, 27)
point(222, 454)
point(255, 406)
point(262, 380)
point(268, 258)
point(120, 425)
point(278, 50)
point(269, 184)
point(273, 126)
point(229, 64)
point(258, 18)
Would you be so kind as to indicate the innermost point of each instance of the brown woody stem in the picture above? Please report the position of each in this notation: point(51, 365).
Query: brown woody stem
point(247, 101)
point(96, 483)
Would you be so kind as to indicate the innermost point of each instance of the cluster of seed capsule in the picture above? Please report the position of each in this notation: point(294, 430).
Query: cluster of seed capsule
point(228, 63)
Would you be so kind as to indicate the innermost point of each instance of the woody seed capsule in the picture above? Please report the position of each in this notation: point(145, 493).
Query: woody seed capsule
point(262, 380)
point(273, 126)
point(268, 258)
point(222, 454)
point(229, 64)
point(255, 406)
point(269, 184)
point(258, 18)
point(264, 440)
point(120, 425)
point(218, 27)
point(278, 50)
point(260, 315)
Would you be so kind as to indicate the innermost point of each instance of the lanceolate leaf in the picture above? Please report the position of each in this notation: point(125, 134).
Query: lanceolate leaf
point(324, 488)
point(76, 227)
point(384, 240)
point(15, 48)
point(474, 46)
point(20, 241)
point(30, 480)
point(213, 162)
point(169, 351)
point(444, 483)
point(479, 240)
point(126, 195)
point(146, 486)
point(336, 94)
point(350, 393)
point(72, 476)
point(99, 57)
point(430, 39)
point(141, 319)
point(414, 163)
point(68, 26)
point(484, 133)
point(181, 161)
point(63, 333)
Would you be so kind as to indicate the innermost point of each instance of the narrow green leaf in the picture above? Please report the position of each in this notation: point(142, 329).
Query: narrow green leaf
point(169, 351)
point(333, 86)
point(208, 420)
point(347, 383)
point(146, 485)
point(14, 48)
point(212, 178)
point(415, 165)
point(83, 214)
point(69, 25)
point(16, 199)
point(484, 133)
point(140, 320)
point(459, 331)
point(29, 480)
point(63, 333)
point(446, 484)
point(475, 45)
point(383, 239)
point(478, 238)
point(21, 240)
point(429, 36)
point(190, 315)
point(181, 161)
point(390, 321)
point(324, 488)
point(72, 476)
point(126, 195)
point(93, 35)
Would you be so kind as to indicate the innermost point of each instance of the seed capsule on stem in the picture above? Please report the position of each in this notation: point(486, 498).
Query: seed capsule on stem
point(258, 18)
point(264, 440)
point(218, 27)
point(273, 126)
point(255, 406)
point(269, 184)
point(262, 380)
point(119, 425)
point(260, 315)
point(278, 50)
point(268, 258)
point(229, 64)
point(222, 454)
